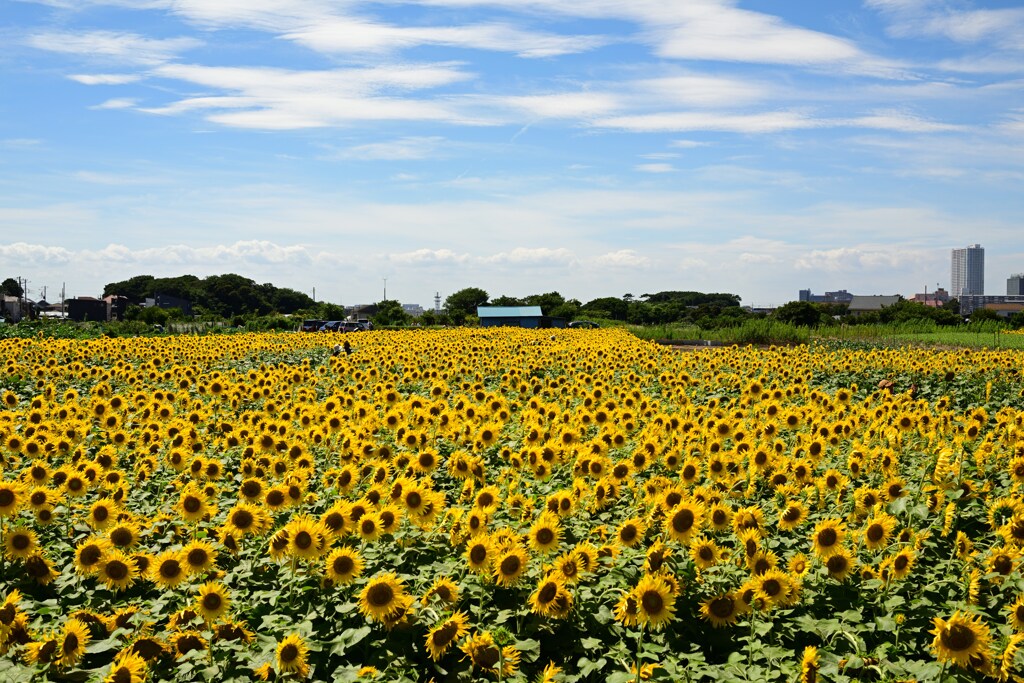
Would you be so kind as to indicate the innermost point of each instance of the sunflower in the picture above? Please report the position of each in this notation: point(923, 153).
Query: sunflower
point(168, 569)
point(774, 586)
point(631, 532)
point(89, 554)
point(117, 570)
point(441, 637)
point(878, 530)
point(551, 597)
point(128, 667)
point(343, 565)
point(721, 610)
point(12, 498)
point(840, 564)
point(124, 534)
point(509, 565)
point(444, 589)
point(828, 537)
point(20, 543)
point(545, 534)
point(484, 654)
point(101, 514)
point(961, 639)
point(183, 642)
point(791, 516)
point(192, 503)
point(71, 643)
point(655, 601)
point(809, 665)
point(292, 653)
point(382, 596)
point(683, 521)
point(307, 537)
point(627, 609)
point(720, 517)
point(213, 601)
point(705, 553)
point(245, 518)
point(40, 569)
point(369, 527)
point(478, 554)
point(1016, 612)
point(200, 556)
point(901, 563)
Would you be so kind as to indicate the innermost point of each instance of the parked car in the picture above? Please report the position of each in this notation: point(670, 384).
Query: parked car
point(583, 325)
point(333, 326)
point(311, 325)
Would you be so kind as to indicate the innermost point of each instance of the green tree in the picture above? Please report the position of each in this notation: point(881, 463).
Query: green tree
point(801, 313)
point(390, 312)
point(11, 287)
point(463, 303)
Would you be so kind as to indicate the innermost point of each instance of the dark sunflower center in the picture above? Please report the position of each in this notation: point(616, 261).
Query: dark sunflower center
point(547, 592)
point(683, 521)
point(90, 555)
point(875, 533)
point(478, 554)
point(289, 653)
point(414, 499)
point(771, 587)
point(837, 564)
point(487, 657)
point(900, 563)
point(380, 595)
point(484, 500)
point(116, 570)
point(792, 514)
point(827, 537)
point(70, 643)
point(192, 504)
point(958, 638)
point(212, 602)
point(198, 557)
point(1002, 564)
point(275, 497)
point(100, 514)
point(652, 602)
point(170, 569)
point(510, 565)
point(122, 675)
point(303, 540)
point(20, 541)
point(628, 533)
point(121, 537)
point(445, 634)
point(343, 564)
point(545, 536)
point(722, 607)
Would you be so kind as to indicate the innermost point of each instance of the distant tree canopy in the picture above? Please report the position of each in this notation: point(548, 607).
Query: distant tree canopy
point(463, 303)
point(11, 287)
point(224, 295)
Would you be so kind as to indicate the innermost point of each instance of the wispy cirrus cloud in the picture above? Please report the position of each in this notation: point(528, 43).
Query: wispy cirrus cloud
point(113, 46)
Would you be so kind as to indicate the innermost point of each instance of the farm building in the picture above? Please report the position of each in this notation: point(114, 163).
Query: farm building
point(516, 316)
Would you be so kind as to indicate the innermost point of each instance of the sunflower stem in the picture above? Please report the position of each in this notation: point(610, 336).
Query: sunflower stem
point(639, 648)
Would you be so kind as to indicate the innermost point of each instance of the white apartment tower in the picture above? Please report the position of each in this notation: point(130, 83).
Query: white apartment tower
point(968, 273)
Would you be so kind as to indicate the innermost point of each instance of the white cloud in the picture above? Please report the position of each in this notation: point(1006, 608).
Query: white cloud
point(288, 99)
point(623, 258)
point(766, 122)
point(105, 79)
point(352, 35)
point(124, 48)
point(858, 258)
point(562, 105)
point(116, 103)
point(687, 144)
point(541, 256)
point(655, 168)
point(901, 122)
point(429, 257)
point(28, 254)
point(403, 149)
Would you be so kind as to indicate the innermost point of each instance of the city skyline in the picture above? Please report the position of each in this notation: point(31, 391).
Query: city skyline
point(597, 147)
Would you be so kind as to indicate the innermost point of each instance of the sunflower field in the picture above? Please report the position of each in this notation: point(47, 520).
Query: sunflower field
point(507, 505)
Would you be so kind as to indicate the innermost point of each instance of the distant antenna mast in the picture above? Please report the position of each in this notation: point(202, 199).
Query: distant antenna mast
point(437, 303)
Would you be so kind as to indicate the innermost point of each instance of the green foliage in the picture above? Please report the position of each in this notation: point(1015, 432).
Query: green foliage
point(223, 295)
point(463, 303)
point(802, 313)
point(11, 287)
point(390, 313)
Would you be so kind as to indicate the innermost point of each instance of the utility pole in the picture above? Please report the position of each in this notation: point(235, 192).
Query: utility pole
point(385, 289)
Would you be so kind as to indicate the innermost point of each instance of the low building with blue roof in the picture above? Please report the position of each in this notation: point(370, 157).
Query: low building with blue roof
point(516, 316)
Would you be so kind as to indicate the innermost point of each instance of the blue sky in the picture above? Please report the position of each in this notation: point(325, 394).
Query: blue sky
point(593, 147)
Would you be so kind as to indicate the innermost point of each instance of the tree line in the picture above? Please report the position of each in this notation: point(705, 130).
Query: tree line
point(223, 296)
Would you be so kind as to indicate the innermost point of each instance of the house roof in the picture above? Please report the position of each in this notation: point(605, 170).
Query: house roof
point(872, 303)
point(508, 312)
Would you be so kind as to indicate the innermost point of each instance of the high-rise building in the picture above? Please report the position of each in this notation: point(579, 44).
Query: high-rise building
point(1015, 285)
point(968, 272)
